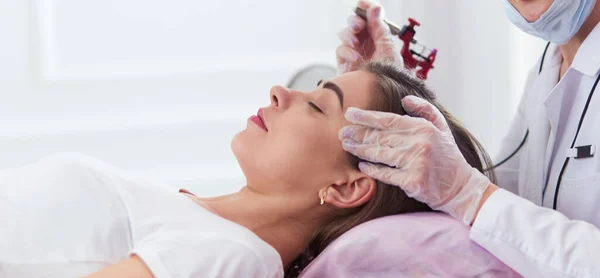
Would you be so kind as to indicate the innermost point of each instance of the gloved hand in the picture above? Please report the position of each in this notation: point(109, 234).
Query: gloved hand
point(366, 40)
point(424, 158)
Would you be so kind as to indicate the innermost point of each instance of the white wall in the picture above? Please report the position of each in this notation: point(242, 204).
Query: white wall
point(482, 61)
point(160, 87)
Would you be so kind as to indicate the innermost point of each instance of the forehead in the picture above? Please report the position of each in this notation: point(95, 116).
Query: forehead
point(357, 87)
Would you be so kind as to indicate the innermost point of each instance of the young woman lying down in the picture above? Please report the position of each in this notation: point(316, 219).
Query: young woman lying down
point(69, 216)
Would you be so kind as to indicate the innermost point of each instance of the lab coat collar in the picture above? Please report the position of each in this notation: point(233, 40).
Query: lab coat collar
point(548, 77)
point(552, 102)
point(587, 59)
point(552, 60)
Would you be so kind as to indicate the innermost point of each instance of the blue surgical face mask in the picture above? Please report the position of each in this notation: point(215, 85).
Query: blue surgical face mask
point(558, 24)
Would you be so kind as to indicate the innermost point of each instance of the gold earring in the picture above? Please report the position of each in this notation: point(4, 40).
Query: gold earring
point(324, 197)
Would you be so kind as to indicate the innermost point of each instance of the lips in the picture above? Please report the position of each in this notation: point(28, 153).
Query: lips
point(258, 119)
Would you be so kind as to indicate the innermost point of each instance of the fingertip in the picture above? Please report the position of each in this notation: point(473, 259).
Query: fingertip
point(347, 37)
point(412, 98)
point(344, 133)
point(353, 40)
point(364, 4)
point(374, 12)
point(352, 109)
point(349, 145)
point(342, 67)
point(410, 102)
point(366, 167)
point(356, 23)
point(347, 54)
point(408, 99)
point(353, 114)
point(419, 107)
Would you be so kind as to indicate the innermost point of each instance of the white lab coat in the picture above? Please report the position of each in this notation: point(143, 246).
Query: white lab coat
point(526, 233)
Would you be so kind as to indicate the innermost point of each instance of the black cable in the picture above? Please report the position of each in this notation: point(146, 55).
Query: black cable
point(562, 170)
point(527, 132)
point(512, 154)
point(543, 57)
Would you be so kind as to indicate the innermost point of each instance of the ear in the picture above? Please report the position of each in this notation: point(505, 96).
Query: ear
point(355, 191)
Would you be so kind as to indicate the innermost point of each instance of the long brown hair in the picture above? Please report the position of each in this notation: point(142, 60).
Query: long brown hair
point(392, 84)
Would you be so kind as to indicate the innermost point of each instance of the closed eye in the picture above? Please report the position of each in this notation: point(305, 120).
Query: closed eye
point(315, 107)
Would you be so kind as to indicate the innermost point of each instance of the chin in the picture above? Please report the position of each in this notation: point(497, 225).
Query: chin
point(533, 11)
point(237, 145)
point(244, 152)
point(252, 160)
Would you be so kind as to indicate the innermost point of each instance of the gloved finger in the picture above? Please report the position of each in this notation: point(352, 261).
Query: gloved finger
point(419, 107)
point(348, 37)
point(374, 152)
point(392, 176)
point(346, 54)
point(344, 67)
point(369, 135)
point(384, 120)
point(378, 30)
point(364, 4)
point(409, 155)
point(356, 23)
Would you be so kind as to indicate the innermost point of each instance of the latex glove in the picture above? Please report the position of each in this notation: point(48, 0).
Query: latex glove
point(424, 158)
point(366, 40)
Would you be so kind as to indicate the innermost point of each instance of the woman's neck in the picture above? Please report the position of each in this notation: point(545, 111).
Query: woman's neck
point(569, 50)
point(274, 220)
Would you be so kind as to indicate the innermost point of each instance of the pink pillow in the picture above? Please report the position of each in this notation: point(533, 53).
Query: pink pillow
point(408, 245)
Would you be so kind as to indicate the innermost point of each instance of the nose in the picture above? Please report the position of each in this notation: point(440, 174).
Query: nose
point(281, 97)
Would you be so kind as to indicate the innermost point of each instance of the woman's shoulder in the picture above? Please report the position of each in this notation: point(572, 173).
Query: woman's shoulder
point(197, 241)
point(76, 161)
point(91, 170)
point(208, 255)
point(58, 172)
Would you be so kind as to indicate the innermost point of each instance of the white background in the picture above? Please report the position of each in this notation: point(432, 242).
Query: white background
point(160, 87)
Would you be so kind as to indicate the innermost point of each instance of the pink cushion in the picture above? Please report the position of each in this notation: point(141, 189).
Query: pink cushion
point(409, 245)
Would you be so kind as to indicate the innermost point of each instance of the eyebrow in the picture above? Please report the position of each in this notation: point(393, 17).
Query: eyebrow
point(338, 92)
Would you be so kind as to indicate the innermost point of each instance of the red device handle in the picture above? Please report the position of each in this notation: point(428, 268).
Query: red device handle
point(406, 34)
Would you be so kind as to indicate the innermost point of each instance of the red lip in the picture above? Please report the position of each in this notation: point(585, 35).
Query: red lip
point(258, 119)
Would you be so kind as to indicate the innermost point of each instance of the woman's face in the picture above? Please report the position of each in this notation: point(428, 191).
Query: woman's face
point(531, 10)
point(299, 153)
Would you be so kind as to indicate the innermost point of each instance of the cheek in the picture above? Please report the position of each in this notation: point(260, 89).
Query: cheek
point(300, 151)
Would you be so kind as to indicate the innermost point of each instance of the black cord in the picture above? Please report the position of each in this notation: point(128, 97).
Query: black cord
point(562, 170)
point(543, 57)
point(527, 132)
point(512, 154)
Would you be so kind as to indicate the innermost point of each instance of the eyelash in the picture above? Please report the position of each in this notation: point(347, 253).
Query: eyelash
point(315, 107)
